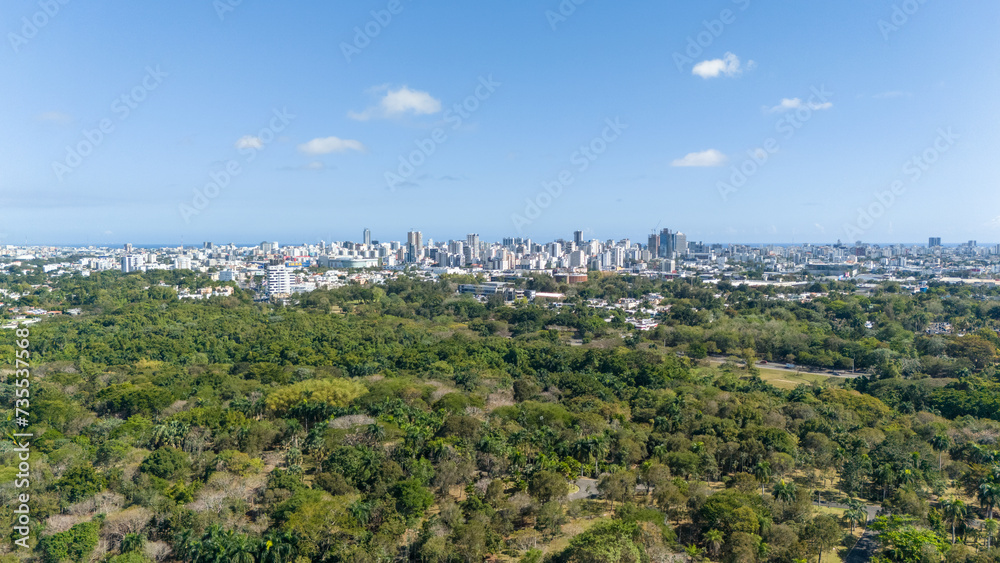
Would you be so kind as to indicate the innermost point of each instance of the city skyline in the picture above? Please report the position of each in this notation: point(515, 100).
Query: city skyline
point(749, 122)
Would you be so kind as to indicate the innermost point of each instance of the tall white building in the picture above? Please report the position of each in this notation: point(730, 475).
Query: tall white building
point(279, 280)
point(132, 263)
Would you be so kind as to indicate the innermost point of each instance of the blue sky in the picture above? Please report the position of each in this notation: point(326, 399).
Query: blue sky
point(305, 122)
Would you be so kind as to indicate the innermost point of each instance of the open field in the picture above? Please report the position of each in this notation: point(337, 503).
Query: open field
point(788, 380)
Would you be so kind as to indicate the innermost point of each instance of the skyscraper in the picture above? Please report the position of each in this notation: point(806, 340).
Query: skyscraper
point(672, 244)
point(680, 244)
point(933, 242)
point(578, 237)
point(368, 237)
point(666, 244)
point(654, 245)
point(414, 246)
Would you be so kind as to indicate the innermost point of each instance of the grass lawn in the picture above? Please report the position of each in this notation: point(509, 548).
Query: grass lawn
point(788, 380)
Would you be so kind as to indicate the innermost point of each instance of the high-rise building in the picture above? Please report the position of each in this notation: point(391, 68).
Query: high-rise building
point(933, 242)
point(279, 280)
point(132, 263)
point(680, 244)
point(672, 244)
point(414, 246)
point(654, 245)
point(368, 237)
point(578, 237)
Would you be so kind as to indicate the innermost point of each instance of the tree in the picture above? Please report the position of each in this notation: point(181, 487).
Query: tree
point(165, 463)
point(608, 541)
point(547, 486)
point(413, 498)
point(336, 392)
point(885, 477)
point(954, 511)
point(74, 544)
point(990, 526)
point(856, 514)
point(989, 494)
point(785, 491)
point(940, 442)
point(80, 482)
point(714, 539)
point(822, 532)
point(762, 471)
point(618, 486)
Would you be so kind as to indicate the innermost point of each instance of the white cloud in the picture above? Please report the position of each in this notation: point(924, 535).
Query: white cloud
point(315, 165)
point(329, 145)
point(249, 142)
point(56, 117)
point(399, 102)
point(728, 65)
point(711, 157)
point(789, 104)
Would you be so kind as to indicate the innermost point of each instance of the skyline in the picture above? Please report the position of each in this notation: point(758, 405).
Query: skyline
point(827, 109)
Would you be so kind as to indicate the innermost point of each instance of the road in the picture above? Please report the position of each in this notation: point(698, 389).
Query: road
point(862, 551)
point(588, 488)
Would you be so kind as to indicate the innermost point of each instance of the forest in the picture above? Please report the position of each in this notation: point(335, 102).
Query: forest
point(404, 422)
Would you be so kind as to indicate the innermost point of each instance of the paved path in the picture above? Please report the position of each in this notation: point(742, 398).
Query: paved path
point(871, 509)
point(864, 549)
point(588, 488)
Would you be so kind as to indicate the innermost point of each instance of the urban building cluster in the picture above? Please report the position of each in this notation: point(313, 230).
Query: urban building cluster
point(278, 271)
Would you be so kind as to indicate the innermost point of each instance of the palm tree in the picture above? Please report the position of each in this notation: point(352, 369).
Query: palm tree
point(856, 514)
point(990, 526)
point(940, 442)
point(763, 474)
point(784, 492)
point(714, 540)
point(989, 494)
point(907, 476)
point(955, 511)
point(885, 477)
point(375, 433)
